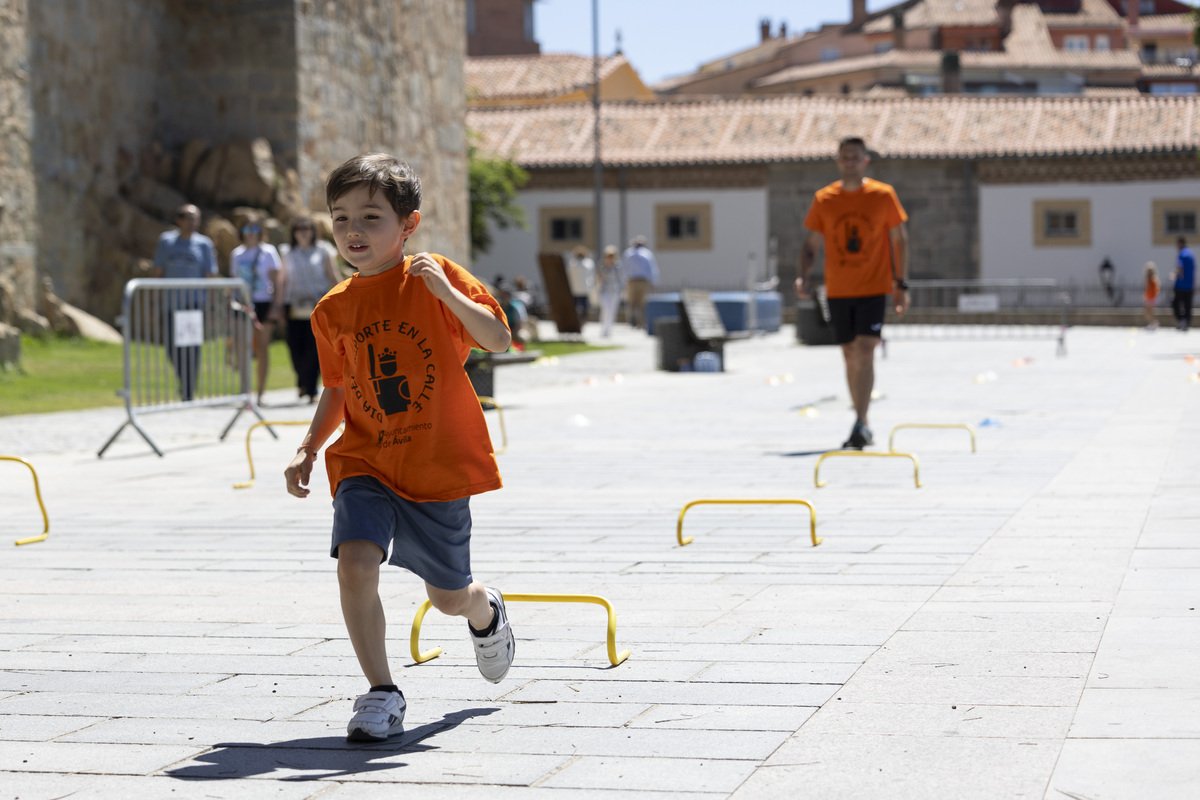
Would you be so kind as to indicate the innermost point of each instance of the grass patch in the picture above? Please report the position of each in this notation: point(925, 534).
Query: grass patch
point(566, 348)
point(61, 374)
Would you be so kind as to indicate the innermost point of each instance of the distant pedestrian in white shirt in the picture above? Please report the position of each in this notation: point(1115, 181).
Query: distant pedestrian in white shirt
point(641, 272)
point(581, 271)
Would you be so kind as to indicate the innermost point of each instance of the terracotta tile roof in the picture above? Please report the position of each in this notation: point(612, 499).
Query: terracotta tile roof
point(806, 128)
point(940, 13)
point(540, 76)
point(1165, 22)
point(1091, 14)
point(1111, 91)
point(900, 59)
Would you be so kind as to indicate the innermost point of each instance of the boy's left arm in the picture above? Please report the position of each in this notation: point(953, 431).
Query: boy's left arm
point(485, 327)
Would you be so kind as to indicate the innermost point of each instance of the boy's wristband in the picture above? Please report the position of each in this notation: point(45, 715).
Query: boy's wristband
point(306, 449)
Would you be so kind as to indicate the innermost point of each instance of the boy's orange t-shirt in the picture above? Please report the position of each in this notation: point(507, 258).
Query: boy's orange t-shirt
point(858, 252)
point(412, 417)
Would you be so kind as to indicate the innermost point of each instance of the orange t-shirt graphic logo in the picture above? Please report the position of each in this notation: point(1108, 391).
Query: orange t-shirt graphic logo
point(391, 390)
point(853, 243)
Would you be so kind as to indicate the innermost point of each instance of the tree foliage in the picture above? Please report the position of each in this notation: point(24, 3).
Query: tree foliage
point(494, 183)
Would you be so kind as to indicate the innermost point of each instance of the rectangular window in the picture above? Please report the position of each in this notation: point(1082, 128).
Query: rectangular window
point(1062, 223)
point(470, 17)
point(1103, 44)
point(1175, 218)
point(683, 226)
point(830, 54)
point(566, 229)
point(529, 20)
point(1075, 43)
point(563, 227)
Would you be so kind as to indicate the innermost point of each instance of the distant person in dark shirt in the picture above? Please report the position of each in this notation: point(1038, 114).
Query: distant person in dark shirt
point(1185, 285)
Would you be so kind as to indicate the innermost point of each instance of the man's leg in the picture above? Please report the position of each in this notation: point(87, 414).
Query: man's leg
point(860, 372)
point(358, 582)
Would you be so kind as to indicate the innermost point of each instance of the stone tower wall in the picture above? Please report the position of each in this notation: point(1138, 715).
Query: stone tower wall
point(96, 96)
point(18, 220)
point(389, 79)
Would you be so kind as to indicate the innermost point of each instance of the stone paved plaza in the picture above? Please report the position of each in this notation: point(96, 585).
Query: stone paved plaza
point(1024, 625)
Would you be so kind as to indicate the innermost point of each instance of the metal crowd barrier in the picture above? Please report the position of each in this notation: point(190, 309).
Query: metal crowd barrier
point(187, 345)
point(982, 309)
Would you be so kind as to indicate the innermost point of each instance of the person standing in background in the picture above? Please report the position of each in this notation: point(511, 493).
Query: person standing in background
point(1150, 295)
point(258, 264)
point(610, 282)
point(641, 272)
point(184, 253)
point(1185, 285)
point(581, 271)
point(309, 273)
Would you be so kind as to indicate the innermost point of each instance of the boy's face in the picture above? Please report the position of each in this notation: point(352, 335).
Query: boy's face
point(368, 232)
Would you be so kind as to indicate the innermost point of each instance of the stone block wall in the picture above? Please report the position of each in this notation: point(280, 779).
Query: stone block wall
point(389, 79)
point(940, 196)
point(97, 96)
point(18, 220)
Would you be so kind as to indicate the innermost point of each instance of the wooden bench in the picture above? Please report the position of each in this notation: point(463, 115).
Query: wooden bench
point(481, 365)
point(697, 330)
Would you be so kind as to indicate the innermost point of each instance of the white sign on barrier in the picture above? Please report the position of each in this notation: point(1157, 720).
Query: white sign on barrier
point(189, 328)
point(979, 303)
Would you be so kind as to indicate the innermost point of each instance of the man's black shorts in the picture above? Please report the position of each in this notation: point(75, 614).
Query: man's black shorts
point(857, 316)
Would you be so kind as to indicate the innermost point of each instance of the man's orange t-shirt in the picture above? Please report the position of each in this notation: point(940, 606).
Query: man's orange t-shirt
point(858, 252)
point(412, 418)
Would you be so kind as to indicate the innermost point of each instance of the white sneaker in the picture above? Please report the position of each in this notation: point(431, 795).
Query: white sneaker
point(494, 654)
point(377, 715)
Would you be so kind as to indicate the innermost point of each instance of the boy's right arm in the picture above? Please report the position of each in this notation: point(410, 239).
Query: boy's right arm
point(329, 414)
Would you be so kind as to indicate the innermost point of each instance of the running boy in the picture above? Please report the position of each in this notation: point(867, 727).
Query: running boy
point(392, 340)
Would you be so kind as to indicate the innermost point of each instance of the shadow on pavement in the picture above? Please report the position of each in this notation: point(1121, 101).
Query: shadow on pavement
point(320, 758)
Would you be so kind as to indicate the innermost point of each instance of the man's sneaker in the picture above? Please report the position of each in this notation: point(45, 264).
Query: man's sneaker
point(377, 715)
point(494, 652)
point(860, 437)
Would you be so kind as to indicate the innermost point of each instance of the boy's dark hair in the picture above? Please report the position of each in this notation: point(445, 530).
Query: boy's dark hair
point(854, 140)
point(380, 172)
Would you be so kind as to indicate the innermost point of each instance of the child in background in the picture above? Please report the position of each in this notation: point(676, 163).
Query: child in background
point(1150, 298)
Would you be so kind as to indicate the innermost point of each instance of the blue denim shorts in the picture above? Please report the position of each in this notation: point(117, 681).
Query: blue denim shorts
point(432, 540)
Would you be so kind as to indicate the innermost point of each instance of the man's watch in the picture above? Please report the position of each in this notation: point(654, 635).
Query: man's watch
point(901, 284)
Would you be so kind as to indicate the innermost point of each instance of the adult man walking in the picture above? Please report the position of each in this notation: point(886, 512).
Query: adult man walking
point(1185, 286)
point(861, 223)
point(641, 275)
point(184, 253)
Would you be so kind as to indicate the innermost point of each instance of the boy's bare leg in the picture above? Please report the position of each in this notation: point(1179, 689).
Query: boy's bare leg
point(860, 372)
point(358, 582)
point(262, 345)
point(471, 602)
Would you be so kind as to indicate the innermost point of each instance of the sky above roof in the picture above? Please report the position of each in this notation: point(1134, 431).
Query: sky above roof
point(663, 38)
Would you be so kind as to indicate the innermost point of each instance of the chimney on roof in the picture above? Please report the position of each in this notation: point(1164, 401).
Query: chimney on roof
point(858, 11)
point(783, 29)
point(1004, 9)
point(1133, 12)
point(951, 72)
point(764, 27)
point(898, 28)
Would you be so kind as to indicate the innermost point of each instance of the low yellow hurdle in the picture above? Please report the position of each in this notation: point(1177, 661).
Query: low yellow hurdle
point(812, 514)
point(967, 428)
point(857, 454)
point(250, 458)
point(37, 491)
point(500, 412)
point(614, 657)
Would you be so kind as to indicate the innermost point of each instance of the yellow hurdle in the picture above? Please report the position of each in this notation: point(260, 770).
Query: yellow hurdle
point(250, 458)
point(858, 454)
point(967, 428)
point(500, 412)
point(614, 657)
point(812, 514)
point(37, 491)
